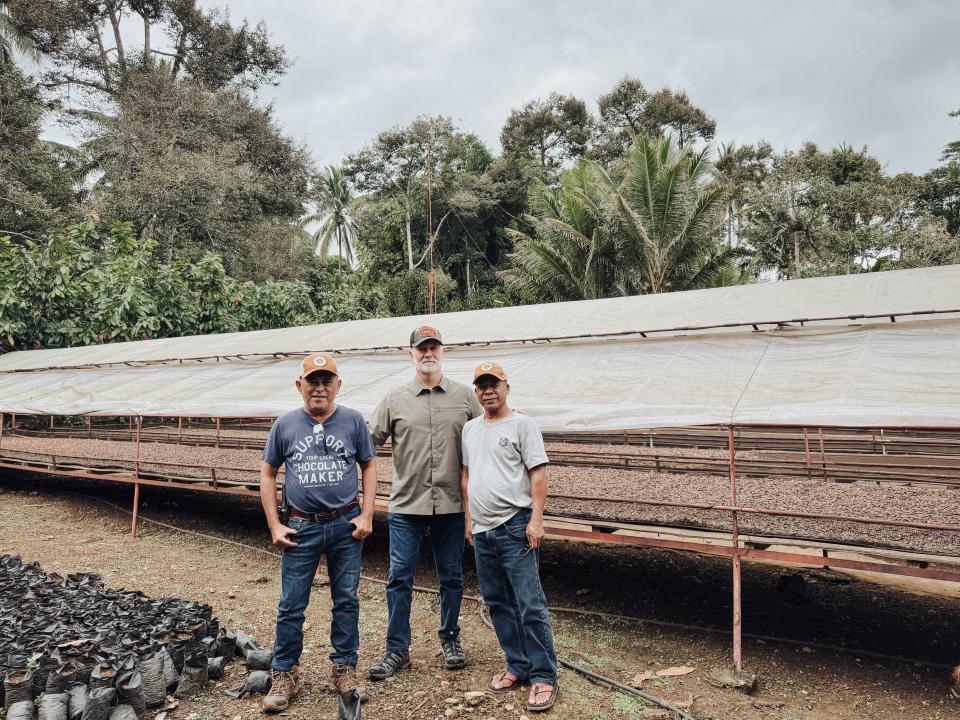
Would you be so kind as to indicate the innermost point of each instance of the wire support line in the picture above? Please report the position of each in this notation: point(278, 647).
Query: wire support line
point(843, 649)
point(773, 325)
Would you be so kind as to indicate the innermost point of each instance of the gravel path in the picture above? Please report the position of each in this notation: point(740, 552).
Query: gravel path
point(889, 502)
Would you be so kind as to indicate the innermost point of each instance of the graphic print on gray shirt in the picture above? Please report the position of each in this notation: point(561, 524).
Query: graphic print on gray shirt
point(319, 459)
point(499, 456)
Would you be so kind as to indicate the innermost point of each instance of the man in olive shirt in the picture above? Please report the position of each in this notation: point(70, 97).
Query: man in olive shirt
point(424, 417)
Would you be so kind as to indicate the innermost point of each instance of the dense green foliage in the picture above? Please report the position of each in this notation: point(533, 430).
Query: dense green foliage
point(184, 208)
point(98, 283)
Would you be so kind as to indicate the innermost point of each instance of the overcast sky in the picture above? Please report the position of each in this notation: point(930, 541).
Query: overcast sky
point(881, 73)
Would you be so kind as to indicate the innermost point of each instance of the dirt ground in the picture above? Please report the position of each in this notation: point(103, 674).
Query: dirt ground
point(68, 526)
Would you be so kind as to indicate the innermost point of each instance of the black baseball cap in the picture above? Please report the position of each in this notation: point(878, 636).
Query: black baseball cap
point(424, 333)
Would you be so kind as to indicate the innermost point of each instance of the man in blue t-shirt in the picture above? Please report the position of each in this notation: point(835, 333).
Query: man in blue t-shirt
point(319, 446)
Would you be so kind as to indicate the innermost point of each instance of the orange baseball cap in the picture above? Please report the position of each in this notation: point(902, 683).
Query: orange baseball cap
point(489, 368)
point(422, 334)
point(317, 362)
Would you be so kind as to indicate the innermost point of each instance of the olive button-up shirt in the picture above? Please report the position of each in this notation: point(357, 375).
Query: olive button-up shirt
point(425, 424)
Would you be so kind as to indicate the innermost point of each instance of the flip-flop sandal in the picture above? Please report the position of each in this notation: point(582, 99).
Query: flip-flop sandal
point(539, 689)
point(500, 677)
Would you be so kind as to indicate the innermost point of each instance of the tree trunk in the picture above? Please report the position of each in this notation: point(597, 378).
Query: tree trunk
point(730, 225)
point(121, 55)
point(469, 287)
point(146, 43)
point(409, 236)
point(339, 257)
point(104, 60)
point(181, 49)
point(796, 254)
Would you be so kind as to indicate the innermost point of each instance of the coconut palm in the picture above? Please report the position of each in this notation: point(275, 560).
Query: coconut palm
point(12, 39)
point(333, 201)
point(571, 254)
point(667, 216)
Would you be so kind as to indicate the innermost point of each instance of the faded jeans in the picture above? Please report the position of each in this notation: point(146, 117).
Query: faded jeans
point(297, 570)
point(509, 574)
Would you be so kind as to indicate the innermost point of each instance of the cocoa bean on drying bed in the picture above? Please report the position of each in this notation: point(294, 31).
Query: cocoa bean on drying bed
point(893, 502)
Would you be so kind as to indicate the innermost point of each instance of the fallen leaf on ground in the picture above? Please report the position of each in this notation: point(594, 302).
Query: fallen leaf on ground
point(641, 678)
point(675, 671)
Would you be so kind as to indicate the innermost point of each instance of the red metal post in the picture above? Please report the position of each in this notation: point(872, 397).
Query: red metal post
point(823, 454)
point(136, 485)
point(735, 535)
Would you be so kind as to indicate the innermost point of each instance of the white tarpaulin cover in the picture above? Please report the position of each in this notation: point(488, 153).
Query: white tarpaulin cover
point(865, 372)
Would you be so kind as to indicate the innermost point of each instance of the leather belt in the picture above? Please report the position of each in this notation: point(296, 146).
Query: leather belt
point(324, 517)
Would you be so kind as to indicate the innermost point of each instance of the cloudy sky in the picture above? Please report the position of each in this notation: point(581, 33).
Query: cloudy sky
point(881, 73)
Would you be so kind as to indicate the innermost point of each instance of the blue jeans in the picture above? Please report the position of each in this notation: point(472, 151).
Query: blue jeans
point(297, 570)
point(406, 535)
point(509, 574)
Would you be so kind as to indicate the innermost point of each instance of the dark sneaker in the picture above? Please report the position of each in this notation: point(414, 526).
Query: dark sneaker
point(453, 656)
point(389, 665)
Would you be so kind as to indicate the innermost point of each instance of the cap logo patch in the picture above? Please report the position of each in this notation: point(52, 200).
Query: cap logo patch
point(320, 361)
point(486, 366)
point(428, 332)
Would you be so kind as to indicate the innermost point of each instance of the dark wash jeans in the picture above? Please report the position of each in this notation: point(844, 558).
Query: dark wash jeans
point(446, 538)
point(509, 574)
point(297, 570)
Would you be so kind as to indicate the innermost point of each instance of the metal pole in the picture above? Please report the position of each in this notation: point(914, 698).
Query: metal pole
point(180, 429)
point(51, 423)
point(13, 421)
point(218, 432)
point(1, 429)
point(735, 534)
point(89, 426)
point(823, 455)
point(136, 485)
point(806, 448)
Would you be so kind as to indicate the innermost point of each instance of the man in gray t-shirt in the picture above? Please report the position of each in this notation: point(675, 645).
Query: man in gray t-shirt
point(504, 486)
point(500, 455)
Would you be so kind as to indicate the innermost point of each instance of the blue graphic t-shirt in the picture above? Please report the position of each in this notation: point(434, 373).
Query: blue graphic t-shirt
point(320, 459)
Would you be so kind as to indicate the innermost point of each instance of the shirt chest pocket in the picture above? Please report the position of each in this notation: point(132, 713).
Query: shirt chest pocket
point(452, 416)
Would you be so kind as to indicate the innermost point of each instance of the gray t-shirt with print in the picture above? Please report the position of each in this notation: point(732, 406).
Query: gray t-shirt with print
point(319, 459)
point(499, 456)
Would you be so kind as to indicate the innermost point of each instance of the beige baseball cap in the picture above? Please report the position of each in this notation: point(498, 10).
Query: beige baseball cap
point(489, 368)
point(317, 362)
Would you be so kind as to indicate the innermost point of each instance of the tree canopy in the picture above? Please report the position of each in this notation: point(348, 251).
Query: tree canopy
point(184, 208)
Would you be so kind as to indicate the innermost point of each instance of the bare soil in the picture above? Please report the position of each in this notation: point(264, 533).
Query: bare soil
point(67, 526)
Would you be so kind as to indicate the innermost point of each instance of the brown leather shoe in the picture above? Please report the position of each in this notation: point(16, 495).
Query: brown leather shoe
point(344, 677)
point(284, 686)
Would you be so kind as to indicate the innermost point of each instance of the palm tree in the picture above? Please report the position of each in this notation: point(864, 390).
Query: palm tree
point(657, 231)
point(334, 198)
point(571, 255)
point(12, 39)
point(667, 216)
